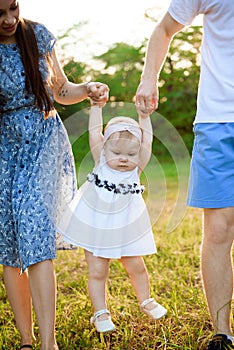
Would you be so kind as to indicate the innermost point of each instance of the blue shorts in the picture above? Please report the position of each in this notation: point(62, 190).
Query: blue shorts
point(211, 183)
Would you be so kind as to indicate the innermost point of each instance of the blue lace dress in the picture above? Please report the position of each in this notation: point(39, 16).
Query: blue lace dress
point(37, 178)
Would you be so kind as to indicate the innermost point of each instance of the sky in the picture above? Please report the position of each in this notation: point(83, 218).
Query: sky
point(108, 21)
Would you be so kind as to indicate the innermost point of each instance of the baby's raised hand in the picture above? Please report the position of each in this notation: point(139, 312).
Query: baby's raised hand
point(98, 93)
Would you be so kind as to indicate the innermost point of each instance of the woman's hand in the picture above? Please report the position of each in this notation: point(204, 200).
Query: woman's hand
point(98, 93)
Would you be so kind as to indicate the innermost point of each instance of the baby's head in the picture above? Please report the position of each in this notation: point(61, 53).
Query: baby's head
point(122, 141)
point(122, 127)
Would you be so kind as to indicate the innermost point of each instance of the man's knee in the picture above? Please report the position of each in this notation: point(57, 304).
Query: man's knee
point(218, 227)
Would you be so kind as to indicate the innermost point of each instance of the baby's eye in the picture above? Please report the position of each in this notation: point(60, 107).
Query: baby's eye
point(131, 154)
point(116, 153)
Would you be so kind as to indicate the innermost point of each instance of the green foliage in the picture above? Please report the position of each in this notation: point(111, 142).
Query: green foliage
point(121, 71)
point(120, 67)
point(75, 71)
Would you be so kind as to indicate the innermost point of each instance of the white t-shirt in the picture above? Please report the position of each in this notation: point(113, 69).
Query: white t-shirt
point(215, 102)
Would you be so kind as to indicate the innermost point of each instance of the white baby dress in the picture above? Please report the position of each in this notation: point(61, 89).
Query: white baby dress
point(108, 215)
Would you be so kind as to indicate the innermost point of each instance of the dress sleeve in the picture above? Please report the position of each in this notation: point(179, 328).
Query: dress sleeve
point(45, 39)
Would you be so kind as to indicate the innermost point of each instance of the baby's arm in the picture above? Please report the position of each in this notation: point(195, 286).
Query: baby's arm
point(146, 144)
point(95, 131)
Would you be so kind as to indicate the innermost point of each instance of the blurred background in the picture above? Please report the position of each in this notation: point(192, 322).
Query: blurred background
point(106, 41)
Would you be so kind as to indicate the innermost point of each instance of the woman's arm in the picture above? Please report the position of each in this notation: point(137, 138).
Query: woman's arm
point(66, 92)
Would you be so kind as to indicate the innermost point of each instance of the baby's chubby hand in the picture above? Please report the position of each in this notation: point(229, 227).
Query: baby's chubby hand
point(98, 93)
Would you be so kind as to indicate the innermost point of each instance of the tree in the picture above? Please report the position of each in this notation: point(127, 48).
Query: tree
point(121, 65)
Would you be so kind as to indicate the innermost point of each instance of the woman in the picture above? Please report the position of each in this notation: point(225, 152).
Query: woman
point(37, 175)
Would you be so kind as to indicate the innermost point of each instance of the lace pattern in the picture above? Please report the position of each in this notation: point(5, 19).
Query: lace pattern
point(121, 188)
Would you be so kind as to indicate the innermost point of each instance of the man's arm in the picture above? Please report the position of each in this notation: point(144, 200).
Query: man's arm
point(147, 92)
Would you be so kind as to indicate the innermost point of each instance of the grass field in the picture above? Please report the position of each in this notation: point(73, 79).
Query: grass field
point(175, 282)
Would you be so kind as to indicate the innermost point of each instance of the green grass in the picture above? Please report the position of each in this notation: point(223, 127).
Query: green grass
point(175, 282)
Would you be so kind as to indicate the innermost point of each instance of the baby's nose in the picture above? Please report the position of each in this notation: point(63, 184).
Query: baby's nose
point(123, 159)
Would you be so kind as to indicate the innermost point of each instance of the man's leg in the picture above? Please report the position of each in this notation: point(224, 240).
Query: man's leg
point(216, 265)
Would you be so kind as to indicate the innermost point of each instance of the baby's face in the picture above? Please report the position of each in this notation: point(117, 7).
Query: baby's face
point(122, 154)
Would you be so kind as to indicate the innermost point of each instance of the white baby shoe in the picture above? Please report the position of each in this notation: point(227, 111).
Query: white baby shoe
point(157, 312)
point(102, 325)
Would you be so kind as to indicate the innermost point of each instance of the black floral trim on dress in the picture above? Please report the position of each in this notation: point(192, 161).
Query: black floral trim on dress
point(121, 188)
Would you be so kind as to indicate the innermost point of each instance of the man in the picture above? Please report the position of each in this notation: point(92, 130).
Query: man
point(211, 184)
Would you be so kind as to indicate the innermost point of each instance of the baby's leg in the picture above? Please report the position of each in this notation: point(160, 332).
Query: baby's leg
point(137, 271)
point(135, 267)
point(98, 273)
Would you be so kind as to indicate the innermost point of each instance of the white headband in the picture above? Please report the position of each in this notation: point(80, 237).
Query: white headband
point(123, 126)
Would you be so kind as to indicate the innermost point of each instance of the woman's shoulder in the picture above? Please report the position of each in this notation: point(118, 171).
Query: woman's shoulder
point(37, 27)
point(45, 39)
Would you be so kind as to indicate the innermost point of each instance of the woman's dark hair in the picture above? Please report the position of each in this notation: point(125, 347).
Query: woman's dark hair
point(26, 40)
